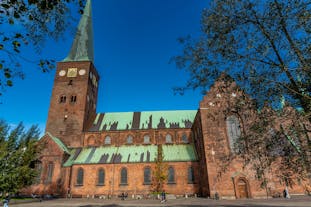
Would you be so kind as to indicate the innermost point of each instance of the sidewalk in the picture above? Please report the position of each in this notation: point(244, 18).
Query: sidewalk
point(299, 201)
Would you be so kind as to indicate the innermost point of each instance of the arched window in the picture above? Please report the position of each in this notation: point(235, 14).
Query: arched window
point(107, 140)
point(129, 139)
point(190, 175)
point(146, 139)
point(49, 173)
point(62, 99)
point(80, 176)
point(38, 167)
point(168, 138)
point(171, 175)
point(147, 176)
point(73, 99)
point(101, 177)
point(184, 138)
point(233, 130)
point(123, 176)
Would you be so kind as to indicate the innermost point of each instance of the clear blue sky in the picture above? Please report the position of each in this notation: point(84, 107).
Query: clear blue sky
point(134, 41)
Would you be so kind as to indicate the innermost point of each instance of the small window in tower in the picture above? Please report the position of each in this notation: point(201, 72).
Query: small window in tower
point(62, 99)
point(73, 99)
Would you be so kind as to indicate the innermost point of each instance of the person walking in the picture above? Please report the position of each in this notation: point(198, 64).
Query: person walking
point(163, 196)
point(6, 200)
point(286, 193)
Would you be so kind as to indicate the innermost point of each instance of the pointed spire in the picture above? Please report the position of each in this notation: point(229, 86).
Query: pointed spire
point(82, 48)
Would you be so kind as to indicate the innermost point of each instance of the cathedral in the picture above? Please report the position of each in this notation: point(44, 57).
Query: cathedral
point(91, 154)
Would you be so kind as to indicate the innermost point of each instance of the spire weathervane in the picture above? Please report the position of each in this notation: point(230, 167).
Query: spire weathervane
point(82, 48)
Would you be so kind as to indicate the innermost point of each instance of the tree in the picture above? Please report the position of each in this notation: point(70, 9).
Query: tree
point(18, 151)
point(278, 142)
point(159, 172)
point(264, 45)
point(29, 23)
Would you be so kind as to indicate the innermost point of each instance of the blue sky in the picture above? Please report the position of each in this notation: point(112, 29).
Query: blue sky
point(134, 41)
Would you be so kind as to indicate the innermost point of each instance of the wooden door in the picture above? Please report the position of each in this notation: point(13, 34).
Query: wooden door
point(242, 188)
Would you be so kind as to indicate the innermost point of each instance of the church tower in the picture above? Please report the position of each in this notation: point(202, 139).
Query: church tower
point(74, 96)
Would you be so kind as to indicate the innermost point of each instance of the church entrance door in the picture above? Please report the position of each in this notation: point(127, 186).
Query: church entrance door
point(242, 188)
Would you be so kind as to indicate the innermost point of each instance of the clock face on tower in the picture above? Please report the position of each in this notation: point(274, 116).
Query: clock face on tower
point(72, 72)
point(62, 73)
point(82, 72)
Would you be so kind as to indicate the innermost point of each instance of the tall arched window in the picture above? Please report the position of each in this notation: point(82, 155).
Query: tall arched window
point(171, 175)
point(190, 175)
point(147, 176)
point(101, 177)
point(168, 138)
point(38, 167)
point(129, 139)
point(49, 175)
point(123, 176)
point(80, 175)
point(233, 130)
point(107, 140)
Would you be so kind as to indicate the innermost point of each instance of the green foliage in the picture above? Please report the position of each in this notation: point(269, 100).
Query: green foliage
point(264, 45)
point(30, 23)
point(159, 172)
point(17, 155)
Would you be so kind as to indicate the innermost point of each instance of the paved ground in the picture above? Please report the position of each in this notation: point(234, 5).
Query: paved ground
point(301, 201)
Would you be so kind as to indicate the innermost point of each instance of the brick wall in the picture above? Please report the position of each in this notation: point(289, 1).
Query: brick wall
point(67, 120)
point(120, 137)
point(135, 184)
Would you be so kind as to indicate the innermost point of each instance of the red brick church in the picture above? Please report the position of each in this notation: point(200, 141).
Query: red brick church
point(94, 154)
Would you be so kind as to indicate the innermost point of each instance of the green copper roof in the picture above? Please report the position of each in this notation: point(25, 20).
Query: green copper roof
point(59, 143)
point(82, 48)
point(143, 120)
point(124, 120)
point(170, 118)
point(130, 154)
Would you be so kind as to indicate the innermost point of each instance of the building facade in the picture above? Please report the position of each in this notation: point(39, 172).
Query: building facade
point(86, 153)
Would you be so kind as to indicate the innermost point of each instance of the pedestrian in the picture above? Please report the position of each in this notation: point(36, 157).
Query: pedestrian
point(216, 196)
point(68, 192)
point(6, 200)
point(163, 196)
point(286, 193)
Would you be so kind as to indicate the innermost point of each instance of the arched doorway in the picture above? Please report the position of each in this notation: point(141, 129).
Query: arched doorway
point(242, 188)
